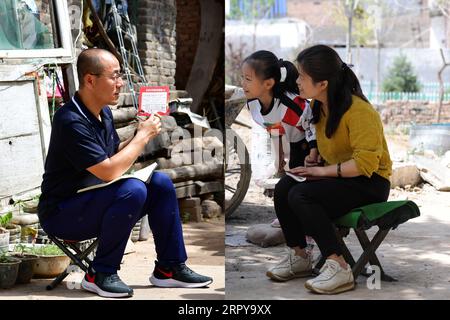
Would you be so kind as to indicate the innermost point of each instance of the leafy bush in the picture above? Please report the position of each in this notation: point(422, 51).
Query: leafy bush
point(45, 250)
point(401, 77)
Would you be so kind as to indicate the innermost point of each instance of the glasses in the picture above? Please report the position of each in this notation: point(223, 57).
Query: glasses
point(115, 76)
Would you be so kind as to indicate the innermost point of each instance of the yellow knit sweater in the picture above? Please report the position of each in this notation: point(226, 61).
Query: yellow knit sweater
point(359, 136)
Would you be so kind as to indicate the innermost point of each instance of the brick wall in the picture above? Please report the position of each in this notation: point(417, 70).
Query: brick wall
point(419, 112)
point(157, 43)
point(157, 40)
point(188, 28)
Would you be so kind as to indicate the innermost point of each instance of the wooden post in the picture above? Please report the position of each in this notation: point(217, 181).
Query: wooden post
point(207, 171)
point(441, 85)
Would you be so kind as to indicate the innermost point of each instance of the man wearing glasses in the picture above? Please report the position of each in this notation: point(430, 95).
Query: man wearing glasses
point(85, 150)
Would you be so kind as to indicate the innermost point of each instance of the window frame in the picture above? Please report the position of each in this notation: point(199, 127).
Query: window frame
point(64, 34)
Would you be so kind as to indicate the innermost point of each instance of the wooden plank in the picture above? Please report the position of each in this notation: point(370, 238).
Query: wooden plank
point(45, 125)
point(234, 103)
point(183, 183)
point(168, 124)
point(208, 51)
point(18, 114)
point(191, 151)
point(127, 132)
point(124, 114)
point(21, 164)
point(207, 171)
point(195, 190)
point(197, 143)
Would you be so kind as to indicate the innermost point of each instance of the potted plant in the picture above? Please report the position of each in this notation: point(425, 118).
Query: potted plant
point(51, 260)
point(26, 268)
point(4, 233)
point(9, 268)
point(14, 232)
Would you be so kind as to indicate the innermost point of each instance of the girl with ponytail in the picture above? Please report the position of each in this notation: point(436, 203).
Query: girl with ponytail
point(270, 86)
point(357, 167)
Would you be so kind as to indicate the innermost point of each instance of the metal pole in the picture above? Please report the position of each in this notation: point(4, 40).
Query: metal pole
point(349, 38)
point(126, 67)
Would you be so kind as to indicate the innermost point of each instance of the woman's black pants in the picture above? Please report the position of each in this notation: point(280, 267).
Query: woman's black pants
point(309, 208)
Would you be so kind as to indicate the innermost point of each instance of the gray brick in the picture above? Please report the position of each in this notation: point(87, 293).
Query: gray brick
point(150, 70)
point(147, 45)
point(169, 64)
point(154, 78)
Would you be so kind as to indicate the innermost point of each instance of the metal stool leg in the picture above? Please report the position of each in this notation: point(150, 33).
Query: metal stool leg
point(80, 258)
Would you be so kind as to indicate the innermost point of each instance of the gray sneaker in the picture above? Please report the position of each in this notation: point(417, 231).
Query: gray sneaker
point(332, 279)
point(291, 267)
point(106, 285)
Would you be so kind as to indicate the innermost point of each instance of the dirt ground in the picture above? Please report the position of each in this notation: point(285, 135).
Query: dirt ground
point(205, 248)
point(417, 253)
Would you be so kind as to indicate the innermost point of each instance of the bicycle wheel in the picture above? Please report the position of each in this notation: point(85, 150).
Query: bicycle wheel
point(238, 172)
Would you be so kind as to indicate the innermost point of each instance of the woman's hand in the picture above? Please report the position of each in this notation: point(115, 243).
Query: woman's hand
point(313, 163)
point(348, 169)
point(309, 171)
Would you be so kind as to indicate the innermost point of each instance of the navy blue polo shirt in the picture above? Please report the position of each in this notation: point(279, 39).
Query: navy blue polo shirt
point(78, 141)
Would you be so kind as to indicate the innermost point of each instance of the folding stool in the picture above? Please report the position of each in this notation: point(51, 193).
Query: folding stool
point(78, 256)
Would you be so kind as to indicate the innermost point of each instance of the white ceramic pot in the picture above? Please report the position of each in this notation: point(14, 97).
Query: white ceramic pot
point(4, 240)
point(50, 266)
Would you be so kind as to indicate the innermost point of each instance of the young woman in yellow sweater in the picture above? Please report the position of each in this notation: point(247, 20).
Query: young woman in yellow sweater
point(356, 172)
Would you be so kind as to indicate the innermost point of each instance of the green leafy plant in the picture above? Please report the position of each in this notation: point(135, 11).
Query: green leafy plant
point(23, 204)
point(20, 249)
point(5, 219)
point(185, 217)
point(5, 258)
point(45, 250)
point(401, 77)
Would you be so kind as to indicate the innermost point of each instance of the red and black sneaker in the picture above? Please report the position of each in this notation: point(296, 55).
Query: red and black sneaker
point(106, 285)
point(180, 276)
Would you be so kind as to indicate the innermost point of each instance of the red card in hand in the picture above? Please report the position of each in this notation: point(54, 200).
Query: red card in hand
point(153, 100)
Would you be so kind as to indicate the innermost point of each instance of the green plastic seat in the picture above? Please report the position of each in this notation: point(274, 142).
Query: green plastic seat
point(384, 214)
point(387, 216)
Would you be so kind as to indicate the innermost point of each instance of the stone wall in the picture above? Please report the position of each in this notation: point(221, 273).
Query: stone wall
point(156, 28)
point(188, 29)
point(407, 112)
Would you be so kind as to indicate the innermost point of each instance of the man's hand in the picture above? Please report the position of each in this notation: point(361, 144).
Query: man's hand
point(149, 128)
point(112, 168)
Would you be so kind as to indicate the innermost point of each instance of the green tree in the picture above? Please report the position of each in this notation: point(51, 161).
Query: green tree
point(362, 21)
point(401, 77)
point(251, 9)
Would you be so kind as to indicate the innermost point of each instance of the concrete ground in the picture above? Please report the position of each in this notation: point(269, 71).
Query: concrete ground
point(417, 254)
point(205, 248)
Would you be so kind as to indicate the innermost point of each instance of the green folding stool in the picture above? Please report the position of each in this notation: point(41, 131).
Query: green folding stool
point(387, 216)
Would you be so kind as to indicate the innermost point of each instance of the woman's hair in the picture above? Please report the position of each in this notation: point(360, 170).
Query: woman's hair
point(323, 63)
point(267, 66)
